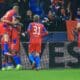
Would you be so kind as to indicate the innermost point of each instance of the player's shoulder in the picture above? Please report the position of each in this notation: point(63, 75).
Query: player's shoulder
point(33, 23)
point(41, 24)
point(11, 11)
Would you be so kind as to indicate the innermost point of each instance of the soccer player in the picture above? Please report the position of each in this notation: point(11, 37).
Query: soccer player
point(10, 15)
point(5, 41)
point(15, 41)
point(5, 44)
point(8, 18)
point(7, 21)
point(36, 32)
point(16, 29)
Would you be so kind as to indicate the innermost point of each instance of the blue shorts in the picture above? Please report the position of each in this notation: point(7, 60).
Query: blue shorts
point(5, 48)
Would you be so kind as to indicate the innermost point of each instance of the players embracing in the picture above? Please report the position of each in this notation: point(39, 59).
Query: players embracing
point(10, 38)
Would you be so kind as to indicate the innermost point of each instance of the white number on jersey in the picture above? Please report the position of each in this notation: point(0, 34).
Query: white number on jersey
point(36, 30)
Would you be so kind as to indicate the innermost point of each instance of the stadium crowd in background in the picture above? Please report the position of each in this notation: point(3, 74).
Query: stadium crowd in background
point(61, 10)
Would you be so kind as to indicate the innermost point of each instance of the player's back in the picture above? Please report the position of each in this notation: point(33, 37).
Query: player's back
point(9, 15)
point(36, 30)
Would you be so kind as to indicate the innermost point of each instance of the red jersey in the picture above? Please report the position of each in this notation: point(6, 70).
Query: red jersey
point(4, 28)
point(15, 42)
point(9, 15)
point(15, 33)
point(36, 31)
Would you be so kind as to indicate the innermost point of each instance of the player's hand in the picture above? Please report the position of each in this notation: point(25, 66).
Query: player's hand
point(23, 34)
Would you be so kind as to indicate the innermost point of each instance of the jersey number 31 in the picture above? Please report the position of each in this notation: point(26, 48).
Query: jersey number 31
point(36, 30)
